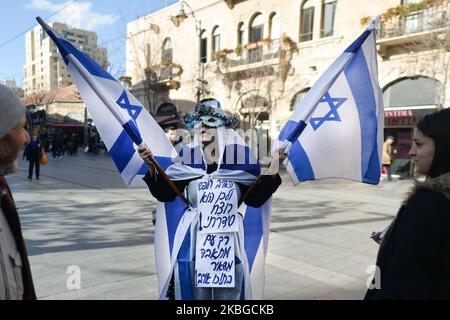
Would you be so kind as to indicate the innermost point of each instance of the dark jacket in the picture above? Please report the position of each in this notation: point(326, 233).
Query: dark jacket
point(414, 257)
point(33, 151)
point(9, 210)
point(258, 196)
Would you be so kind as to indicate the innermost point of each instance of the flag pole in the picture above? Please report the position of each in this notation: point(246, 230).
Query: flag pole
point(112, 107)
point(300, 127)
point(316, 93)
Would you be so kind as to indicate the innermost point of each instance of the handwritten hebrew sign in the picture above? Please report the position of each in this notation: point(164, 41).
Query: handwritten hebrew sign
point(214, 260)
point(217, 205)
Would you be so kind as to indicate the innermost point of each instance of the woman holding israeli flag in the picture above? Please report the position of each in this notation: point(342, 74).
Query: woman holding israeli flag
point(212, 245)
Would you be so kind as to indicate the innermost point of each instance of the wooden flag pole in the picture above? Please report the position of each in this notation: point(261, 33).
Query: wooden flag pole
point(167, 179)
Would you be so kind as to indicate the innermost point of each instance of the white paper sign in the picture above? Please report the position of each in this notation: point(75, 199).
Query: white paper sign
point(214, 260)
point(217, 205)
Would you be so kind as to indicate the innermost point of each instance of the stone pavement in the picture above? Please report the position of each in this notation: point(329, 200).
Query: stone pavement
point(81, 214)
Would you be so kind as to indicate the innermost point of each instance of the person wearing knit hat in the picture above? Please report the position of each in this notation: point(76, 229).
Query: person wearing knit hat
point(15, 275)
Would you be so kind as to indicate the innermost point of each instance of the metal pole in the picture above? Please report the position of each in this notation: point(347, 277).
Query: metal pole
point(198, 27)
point(86, 133)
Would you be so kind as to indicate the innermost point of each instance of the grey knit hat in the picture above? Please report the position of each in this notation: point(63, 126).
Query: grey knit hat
point(11, 110)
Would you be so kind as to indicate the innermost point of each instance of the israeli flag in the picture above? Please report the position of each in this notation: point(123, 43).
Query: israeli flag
point(336, 131)
point(120, 118)
point(173, 235)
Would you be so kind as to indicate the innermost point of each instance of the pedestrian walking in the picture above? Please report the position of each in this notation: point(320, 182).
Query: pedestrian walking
point(388, 155)
point(414, 255)
point(33, 153)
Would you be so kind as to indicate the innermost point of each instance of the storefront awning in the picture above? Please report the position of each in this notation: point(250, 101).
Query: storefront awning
point(406, 116)
point(165, 120)
point(65, 125)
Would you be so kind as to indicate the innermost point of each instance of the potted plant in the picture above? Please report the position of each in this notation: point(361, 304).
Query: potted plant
point(238, 50)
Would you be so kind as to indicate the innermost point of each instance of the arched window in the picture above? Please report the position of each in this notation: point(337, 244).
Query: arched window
point(203, 47)
point(167, 52)
point(166, 109)
point(416, 91)
point(274, 31)
point(256, 28)
point(306, 20)
point(328, 14)
point(274, 26)
point(298, 98)
point(215, 36)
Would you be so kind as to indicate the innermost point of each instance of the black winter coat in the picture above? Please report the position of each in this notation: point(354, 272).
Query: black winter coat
point(9, 210)
point(267, 185)
point(414, 257)
point(33, 151)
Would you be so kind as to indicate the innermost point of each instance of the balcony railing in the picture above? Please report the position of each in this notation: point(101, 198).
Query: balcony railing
point(424, 20)
point(255, 52)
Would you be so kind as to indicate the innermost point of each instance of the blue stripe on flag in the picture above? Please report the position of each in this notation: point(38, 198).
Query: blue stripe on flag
point(132, 130)
point(65, 48)
point(356, 45)
point(122, 151)
point(358, 77)
point(184, 270)
point(143, 169)
point(192, 157)
point(287, 130)
point(300, 162)
point(174, 211)
point(242, 158)
point(253, 232)
point(164, 162)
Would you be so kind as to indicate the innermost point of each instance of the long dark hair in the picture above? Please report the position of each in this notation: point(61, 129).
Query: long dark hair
point(437, 127)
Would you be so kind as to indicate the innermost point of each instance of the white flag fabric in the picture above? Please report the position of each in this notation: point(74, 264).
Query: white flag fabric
point(336, 131)
point(120, 118)
point(173, 245)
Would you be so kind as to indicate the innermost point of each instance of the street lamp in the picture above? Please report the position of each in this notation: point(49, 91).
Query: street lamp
point(177, 20)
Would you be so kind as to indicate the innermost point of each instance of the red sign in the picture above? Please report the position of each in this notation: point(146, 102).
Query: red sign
point(398, 113)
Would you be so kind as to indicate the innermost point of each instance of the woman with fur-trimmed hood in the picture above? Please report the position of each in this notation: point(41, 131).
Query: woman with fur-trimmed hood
point(414, 255)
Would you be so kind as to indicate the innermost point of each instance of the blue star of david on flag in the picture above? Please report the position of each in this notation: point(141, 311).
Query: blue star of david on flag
point(124, 103)
point(332, 115)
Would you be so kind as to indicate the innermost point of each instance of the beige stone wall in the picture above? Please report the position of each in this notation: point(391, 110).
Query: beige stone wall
point(65, 108)
point(306, 64)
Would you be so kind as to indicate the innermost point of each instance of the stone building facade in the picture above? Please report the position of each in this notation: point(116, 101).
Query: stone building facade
point(260, 57)
point(44, 68)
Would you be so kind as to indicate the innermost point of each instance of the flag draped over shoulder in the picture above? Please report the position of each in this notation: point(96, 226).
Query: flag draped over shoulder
point(124, 123)
point(119, 117)
point(173, 245)
point(336, 131)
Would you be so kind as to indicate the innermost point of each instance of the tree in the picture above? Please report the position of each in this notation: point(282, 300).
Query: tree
point(154, 70)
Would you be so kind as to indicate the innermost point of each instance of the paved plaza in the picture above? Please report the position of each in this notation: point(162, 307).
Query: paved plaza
point(81, 214)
